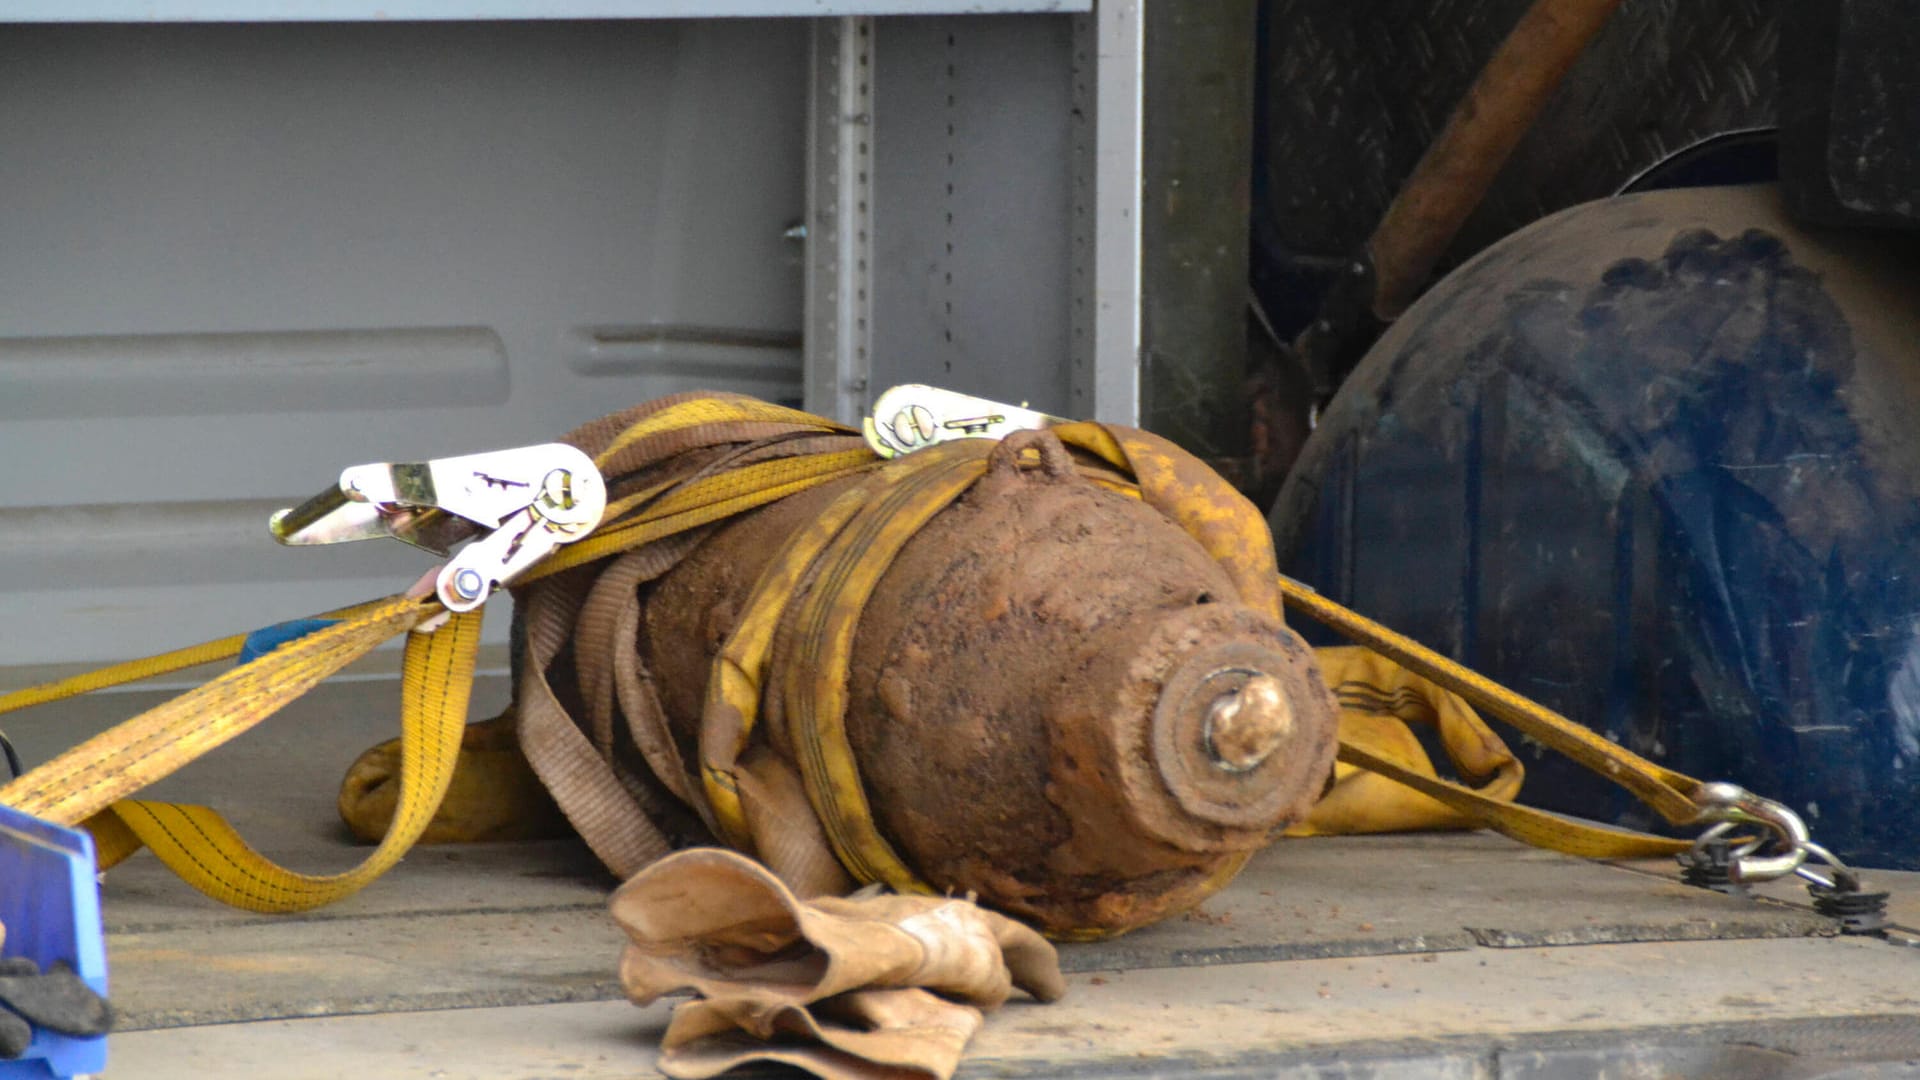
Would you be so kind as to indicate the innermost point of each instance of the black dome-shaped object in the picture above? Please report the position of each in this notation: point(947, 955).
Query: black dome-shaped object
point(1655, 461)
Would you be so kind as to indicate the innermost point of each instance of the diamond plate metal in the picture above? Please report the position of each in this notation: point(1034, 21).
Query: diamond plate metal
point(1351, 94)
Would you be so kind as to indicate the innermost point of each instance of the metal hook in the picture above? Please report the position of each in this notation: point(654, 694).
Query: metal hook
point(1728, 805)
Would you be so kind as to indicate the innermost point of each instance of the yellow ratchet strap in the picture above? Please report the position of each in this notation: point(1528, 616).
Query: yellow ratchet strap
point(1382, 705)
point(701, 411)
point(702, 502)
point(829, 613)
point(149, 667)
point(732, 707)
point(87, 784)
point(844, 551)
point(1667, 792)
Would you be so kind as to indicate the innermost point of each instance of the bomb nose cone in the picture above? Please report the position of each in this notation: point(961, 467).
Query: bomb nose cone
point(1246, 726)
point(1240, 736)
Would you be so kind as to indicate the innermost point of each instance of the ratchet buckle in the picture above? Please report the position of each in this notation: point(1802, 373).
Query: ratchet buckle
point(517, 506)
point(913, 417)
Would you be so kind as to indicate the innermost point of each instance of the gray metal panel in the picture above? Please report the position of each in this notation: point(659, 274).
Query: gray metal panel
point(1109, 86)
point(412, 10)
point(839, 226)
point(234, 259)
point(973, 190)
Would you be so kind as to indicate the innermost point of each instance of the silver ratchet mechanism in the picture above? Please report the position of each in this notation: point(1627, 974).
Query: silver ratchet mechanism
point(515, 506)
point(913, 417)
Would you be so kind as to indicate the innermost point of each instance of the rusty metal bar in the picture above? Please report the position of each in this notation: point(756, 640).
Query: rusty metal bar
point(1457, 169)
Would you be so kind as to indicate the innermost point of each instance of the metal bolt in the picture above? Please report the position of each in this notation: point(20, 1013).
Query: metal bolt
point(1859, 912)
point(468, 584)
point(556, 490)
point(1710, 866)
point(1245, 727)
point(913, 425)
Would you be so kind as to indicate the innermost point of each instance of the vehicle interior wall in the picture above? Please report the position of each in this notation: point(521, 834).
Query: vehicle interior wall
point(236, 258)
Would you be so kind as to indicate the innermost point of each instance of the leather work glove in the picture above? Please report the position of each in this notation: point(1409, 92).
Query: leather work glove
point(866, 986)
point(56, 1000)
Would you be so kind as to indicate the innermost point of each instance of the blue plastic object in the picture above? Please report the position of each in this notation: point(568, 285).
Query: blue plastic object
point(50, 905)
point(268, 638)
point(1655, 462)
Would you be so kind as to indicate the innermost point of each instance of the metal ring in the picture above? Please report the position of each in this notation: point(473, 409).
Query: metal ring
point(1841, 871)
point(1727, 803)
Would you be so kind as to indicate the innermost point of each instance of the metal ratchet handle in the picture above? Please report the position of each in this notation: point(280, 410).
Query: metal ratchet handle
point(516, 505)
point(913, 417)
point(569, 503)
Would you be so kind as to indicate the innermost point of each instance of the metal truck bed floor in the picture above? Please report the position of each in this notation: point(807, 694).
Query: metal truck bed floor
point(1442, 954)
